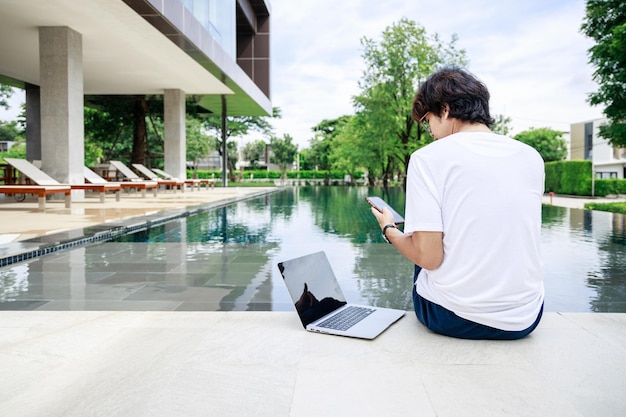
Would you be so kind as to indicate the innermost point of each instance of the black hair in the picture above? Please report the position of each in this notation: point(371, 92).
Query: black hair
point(466, 97)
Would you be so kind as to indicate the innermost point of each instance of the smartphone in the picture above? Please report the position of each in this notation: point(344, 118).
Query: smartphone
point(378, 203)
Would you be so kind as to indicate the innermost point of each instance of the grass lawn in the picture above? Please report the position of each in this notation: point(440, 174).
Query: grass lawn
point(246, 184)
point(612, 207)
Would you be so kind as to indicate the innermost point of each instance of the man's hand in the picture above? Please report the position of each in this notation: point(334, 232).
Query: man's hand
point(383, 218)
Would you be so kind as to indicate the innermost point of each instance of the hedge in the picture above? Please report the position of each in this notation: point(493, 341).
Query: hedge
point(568, 177)
point(261, 174)
point(610, 186)
point(562, 177)
point(611, 207)
point(574, 178)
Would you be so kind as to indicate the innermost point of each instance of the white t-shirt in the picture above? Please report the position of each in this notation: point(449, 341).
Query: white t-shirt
point(483, 191)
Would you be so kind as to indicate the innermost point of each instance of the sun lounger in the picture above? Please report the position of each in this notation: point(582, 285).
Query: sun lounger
point(41, 191)
point(131, 176)
point(146, 172)
point(94, 178)
point(193, 182)
point(125, 171)
point(40, 178)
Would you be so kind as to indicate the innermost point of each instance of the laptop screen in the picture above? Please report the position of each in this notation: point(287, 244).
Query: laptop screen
point(312, 286)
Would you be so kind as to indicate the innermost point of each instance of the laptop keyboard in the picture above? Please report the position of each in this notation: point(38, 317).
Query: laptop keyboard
point(346, 318)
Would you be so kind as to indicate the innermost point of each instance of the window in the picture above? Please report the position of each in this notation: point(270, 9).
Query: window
point(218, 18)
point(606, 174)
point(589, 141)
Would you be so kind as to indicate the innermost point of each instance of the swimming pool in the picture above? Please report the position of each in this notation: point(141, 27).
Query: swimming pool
point(225, 259)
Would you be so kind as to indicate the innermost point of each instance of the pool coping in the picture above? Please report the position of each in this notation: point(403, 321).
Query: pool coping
point(16, 252)
point(78, 363)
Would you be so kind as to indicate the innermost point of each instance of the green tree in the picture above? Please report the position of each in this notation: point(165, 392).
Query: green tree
point(310, 157)
point(128, 128)
point(253, 152)
point(9, 131)
point(605, 23)
point(549, 143)
point(381, 150)
point(237, 126)
point(6, 91)
point(283, 152)
point(502, 124)
point(18, 150)
point(198, 143)
point(320, 146)
point(351, 150)
point(395, 66)
point(93, 153)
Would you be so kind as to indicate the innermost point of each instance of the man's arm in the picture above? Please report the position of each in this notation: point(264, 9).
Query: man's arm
point(422, 248)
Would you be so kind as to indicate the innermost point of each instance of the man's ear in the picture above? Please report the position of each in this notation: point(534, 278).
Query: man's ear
point(445, 111)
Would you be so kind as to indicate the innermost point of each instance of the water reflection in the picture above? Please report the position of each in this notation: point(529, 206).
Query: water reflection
point(226, 259)
point(585, 260)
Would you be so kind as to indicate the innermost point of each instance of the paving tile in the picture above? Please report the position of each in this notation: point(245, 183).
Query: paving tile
point(264, 363)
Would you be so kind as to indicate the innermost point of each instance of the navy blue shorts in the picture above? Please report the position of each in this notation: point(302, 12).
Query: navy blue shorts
point(443, 321)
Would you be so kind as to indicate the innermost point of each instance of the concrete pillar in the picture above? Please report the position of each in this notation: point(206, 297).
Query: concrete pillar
point(62, 117)
point(175, 133)
point(33, 123)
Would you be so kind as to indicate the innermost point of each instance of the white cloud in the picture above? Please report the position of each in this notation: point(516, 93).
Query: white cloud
point(530, 54)
point(15, 102)
point(538, 74)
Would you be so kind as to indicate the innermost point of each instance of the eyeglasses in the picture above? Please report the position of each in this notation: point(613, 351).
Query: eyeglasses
point(425, 123)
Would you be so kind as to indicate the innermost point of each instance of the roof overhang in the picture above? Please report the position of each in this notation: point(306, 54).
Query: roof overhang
point(125, 54)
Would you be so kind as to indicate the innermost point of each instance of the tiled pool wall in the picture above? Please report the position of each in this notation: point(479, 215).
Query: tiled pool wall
point(16, 252)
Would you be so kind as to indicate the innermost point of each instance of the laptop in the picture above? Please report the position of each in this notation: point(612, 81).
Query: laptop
point(321, 304)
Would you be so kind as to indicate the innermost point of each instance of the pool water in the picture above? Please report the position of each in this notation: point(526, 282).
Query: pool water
point(225, 259)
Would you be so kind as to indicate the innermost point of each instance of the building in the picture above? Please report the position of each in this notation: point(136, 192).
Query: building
point(60, 51)
point(585, 144)
point(5, 145)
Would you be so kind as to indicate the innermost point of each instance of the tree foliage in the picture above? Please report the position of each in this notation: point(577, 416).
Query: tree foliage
point(198, 143)
point(549, 143)
point(502, 124)
point(283, 152)
point(253, 152)
point(11, 132)
point(237, 126)
point(128, 128)
point(317, 156)
point(5, 93)
point(18, 150)
point(351, 149)
point(405, 56)
point(605, 23)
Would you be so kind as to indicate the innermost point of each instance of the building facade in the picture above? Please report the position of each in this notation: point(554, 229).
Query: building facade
point(586, 144)
point(5, 145)
point(60, 51)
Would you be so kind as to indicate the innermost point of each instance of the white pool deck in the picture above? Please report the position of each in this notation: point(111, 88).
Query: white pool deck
point(170, 364)
point(190, 364)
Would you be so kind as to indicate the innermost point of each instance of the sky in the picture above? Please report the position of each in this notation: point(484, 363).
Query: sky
point(530, 54)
